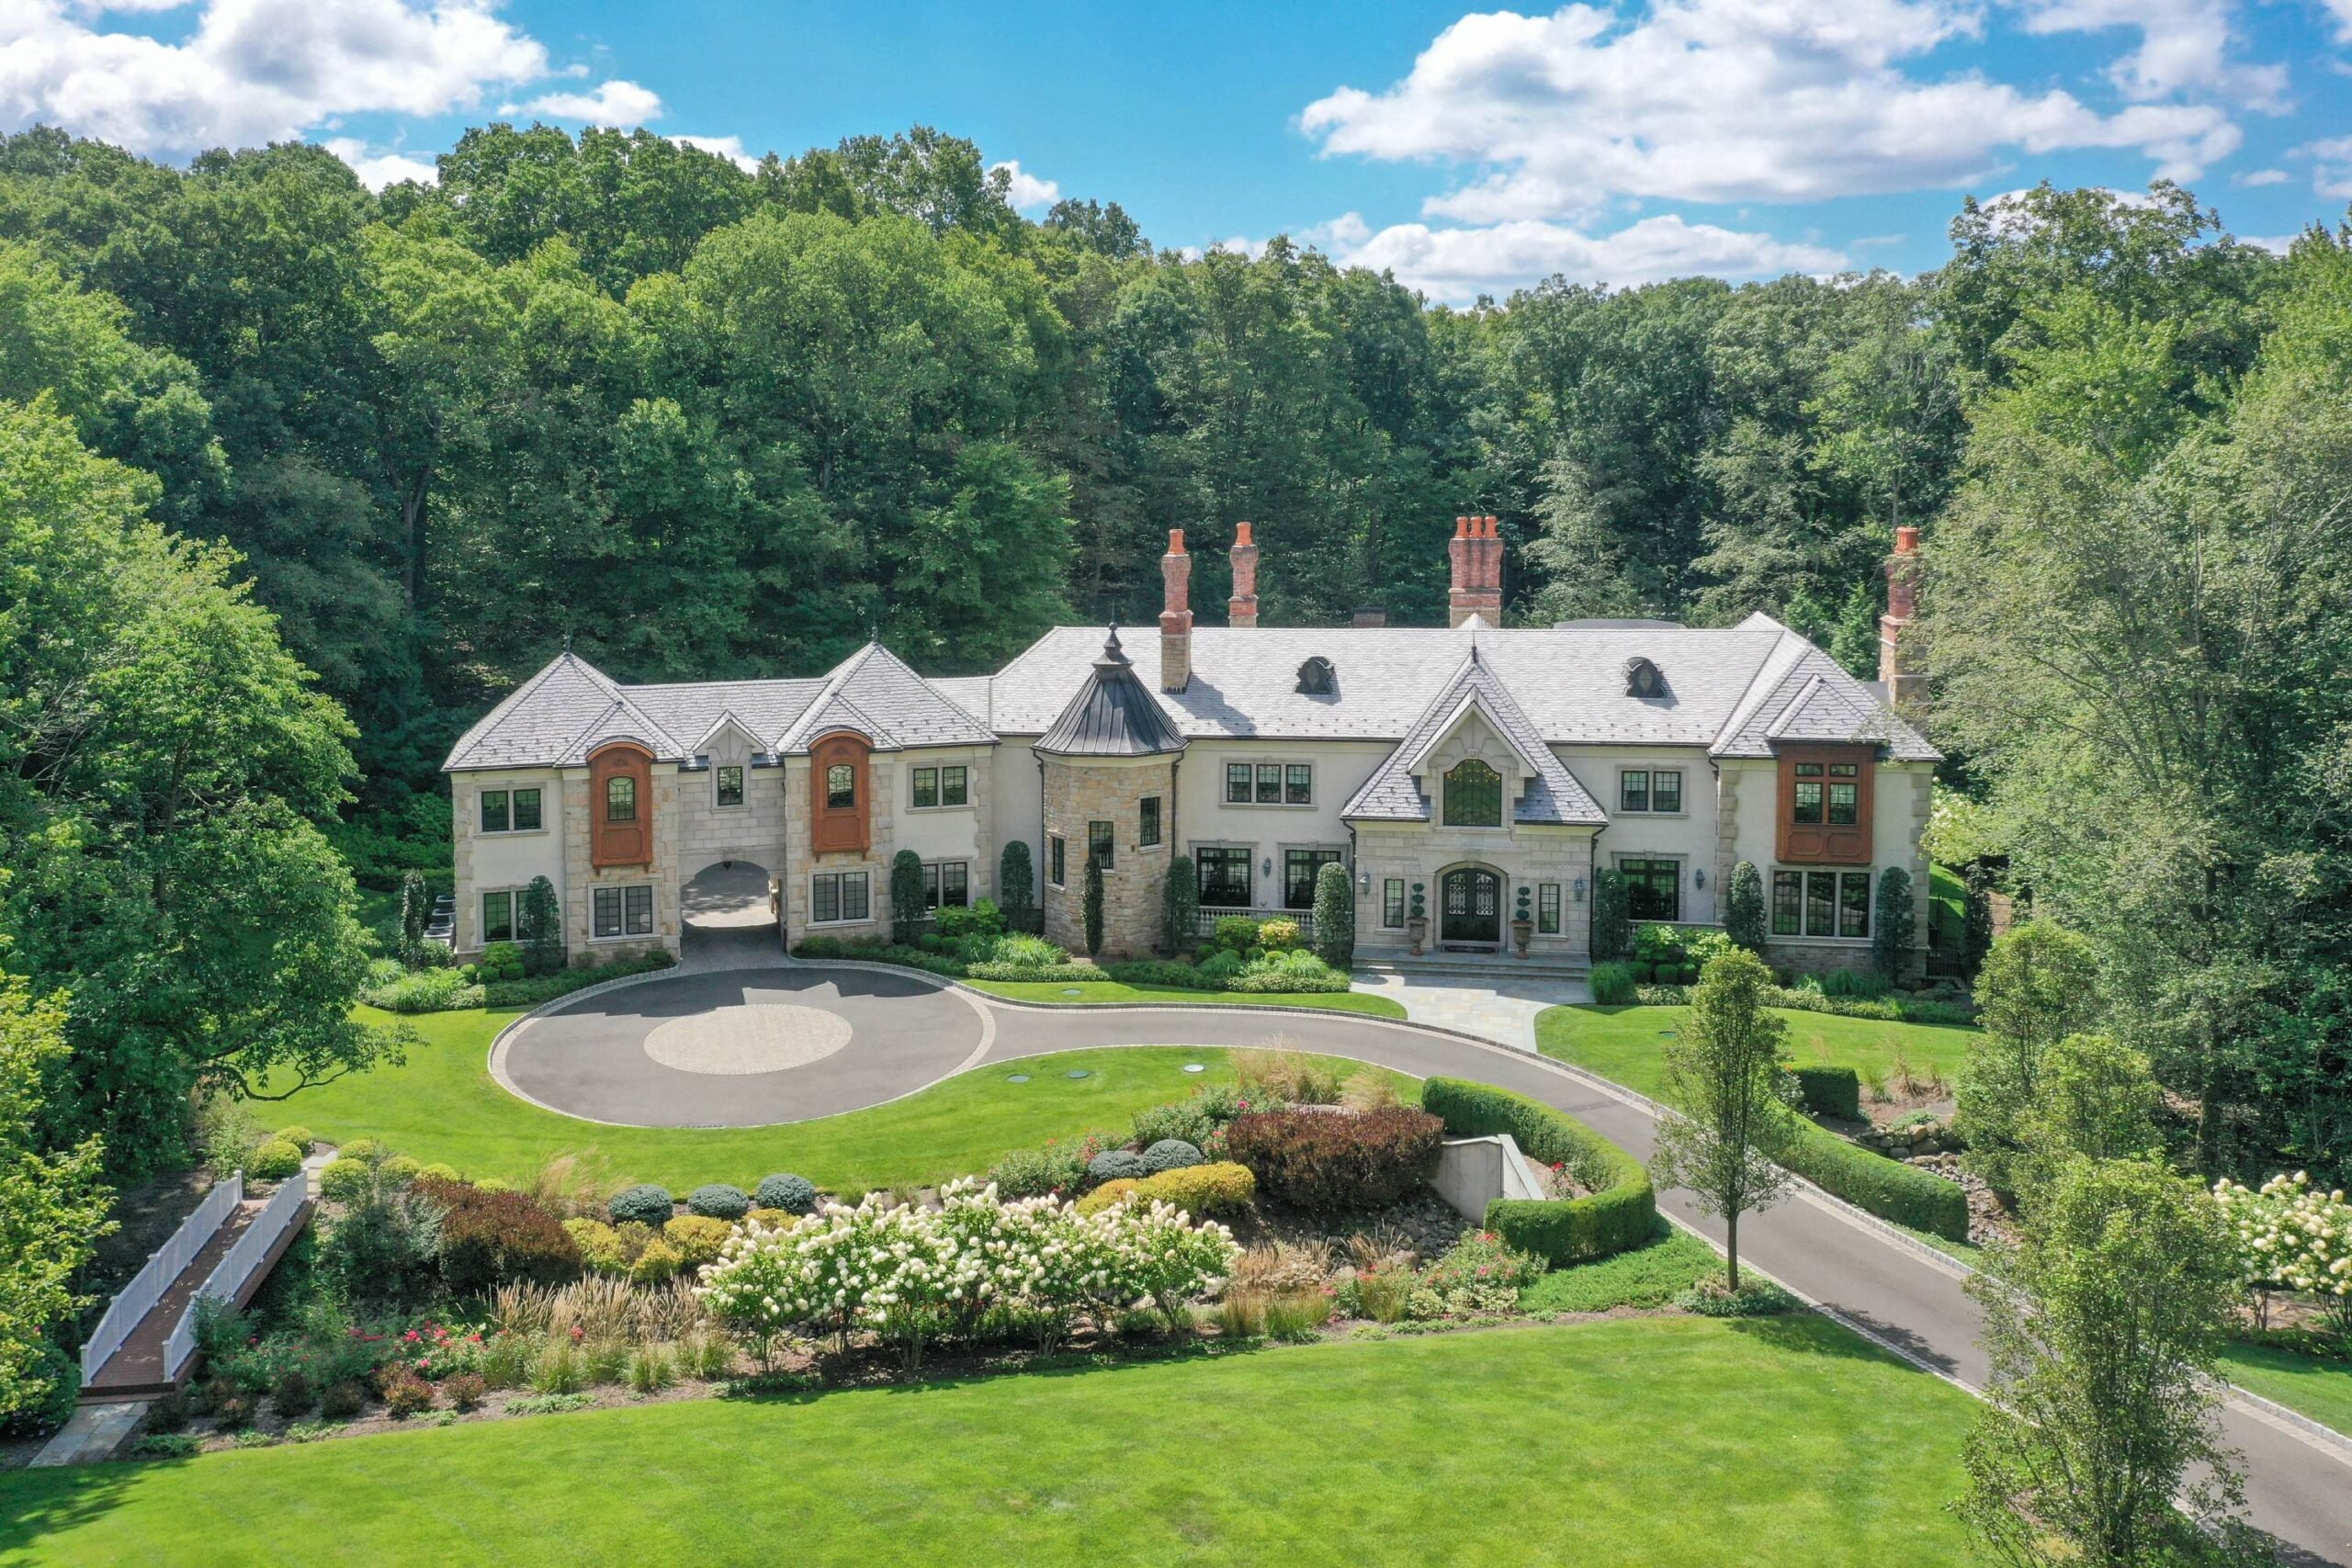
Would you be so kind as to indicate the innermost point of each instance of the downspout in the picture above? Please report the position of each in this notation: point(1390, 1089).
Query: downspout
point(1176, 942)
point(784, 859)
point(1040, 865)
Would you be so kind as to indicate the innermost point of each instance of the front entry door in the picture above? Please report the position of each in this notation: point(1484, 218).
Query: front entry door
point(1471, 905)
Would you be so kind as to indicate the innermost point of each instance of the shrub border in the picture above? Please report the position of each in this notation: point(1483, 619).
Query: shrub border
point(1575, 1230)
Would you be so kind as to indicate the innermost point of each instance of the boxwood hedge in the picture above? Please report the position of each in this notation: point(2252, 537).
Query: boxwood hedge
point(1622, 1211)
point(1831, 1091)
point(1884, 1187)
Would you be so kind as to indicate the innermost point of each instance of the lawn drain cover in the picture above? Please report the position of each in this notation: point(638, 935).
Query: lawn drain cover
point(1018, 1078)
point(1195, 1067)
point(1078, 1072)
point(1072, 991)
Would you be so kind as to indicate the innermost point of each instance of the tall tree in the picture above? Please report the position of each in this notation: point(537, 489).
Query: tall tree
point(1724, 1073)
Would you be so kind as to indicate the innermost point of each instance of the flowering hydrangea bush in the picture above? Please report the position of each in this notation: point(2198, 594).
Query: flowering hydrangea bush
point(2293, 1237)
point(907, 1274)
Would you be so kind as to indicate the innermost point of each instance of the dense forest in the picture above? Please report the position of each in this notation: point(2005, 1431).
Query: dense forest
point(296, 479)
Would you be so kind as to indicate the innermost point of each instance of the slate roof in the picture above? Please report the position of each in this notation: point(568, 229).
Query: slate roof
point(1732, 690)
point(1112, 715)
point(1551, 794)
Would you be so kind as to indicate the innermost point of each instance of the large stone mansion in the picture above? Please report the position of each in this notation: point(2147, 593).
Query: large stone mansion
point(1462, 775)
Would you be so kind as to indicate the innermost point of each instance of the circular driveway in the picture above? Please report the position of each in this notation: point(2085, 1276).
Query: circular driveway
point(742, 1047)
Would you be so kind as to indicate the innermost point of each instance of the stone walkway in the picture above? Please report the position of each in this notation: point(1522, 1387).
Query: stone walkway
point(1503, 1012)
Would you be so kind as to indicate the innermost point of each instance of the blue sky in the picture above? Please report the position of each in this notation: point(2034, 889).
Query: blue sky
point(1466, 150)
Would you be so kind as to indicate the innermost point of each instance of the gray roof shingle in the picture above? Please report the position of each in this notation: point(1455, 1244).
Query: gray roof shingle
point(1551, 794)
point(873, 693)
point(1112, 715)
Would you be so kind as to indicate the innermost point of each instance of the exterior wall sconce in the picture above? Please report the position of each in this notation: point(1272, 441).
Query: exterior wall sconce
point(1266, 866)
point(1697, 879)
point(1363, 882)
point(1579, 889)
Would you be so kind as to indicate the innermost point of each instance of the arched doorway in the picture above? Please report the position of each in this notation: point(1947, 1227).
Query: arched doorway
point(726, 904)
point(1470, 909)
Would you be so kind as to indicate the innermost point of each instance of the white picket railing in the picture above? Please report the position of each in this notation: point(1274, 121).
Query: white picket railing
point(229, 1276)
point(147, 1286)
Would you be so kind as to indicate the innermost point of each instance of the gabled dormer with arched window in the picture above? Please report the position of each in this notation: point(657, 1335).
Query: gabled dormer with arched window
point(1317, 678)
point(621, 804)
point(840, 793)
point(1644, 679)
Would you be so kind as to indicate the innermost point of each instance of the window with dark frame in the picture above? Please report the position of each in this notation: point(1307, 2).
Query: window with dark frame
point(1804, 808)
point(493, 811)
point(1548, 908)
point(1270, 784)
point(1054, 860)
point(620, 798)
point(1652, 888)
point(1788, 902)
point(1845, 794)
point(1100, 846)
point(731, 785)
point(622, 911)
point(841, 787)
point(1298, 783)
point(1236, 784)
point(1474, 795)
point(1821, 904)
point(1666, 790)
point(1300, 868)
point(1633, 790)
point(947, 883)
point(954, 788)
point(1853, 903)
point(1225, 874)
point(527, 811)
point(1148, 821)
point(497, 917)
point(1392, 903)
point(926, 788)
point(837, 896)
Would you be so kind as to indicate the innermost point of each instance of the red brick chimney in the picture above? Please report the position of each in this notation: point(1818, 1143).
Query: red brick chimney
point(1476, 552)
point(1176, 616)
point(1242, 609)
point(1902, 588)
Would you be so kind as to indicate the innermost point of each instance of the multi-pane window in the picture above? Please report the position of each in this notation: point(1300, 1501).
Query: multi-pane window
point(1821, 903)
point(498, 917)
point(622, 911)
point(1666, 789)
point(1100, 848)
point(1270, 784)
point(620, 799)
point(1845, 794)
point(926, 782)
point(1148, 821)
point(730, 783)
point(1300, 868)
point(1633, 790)
point(837, 896)
point(1548, 908)
point(941, 786)
point(1054, 860)
point(1652, 888)
point(947, 883)
point(526, 810)
point(510, 811)
point(1806, 808)
point(1225, 874)
point(1474, 795)
point(1392, 903)
point(841, 787)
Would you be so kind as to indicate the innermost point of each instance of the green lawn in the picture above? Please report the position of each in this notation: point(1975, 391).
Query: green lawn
point(1659, 1441)
point(1650, 1275)
point(441, 1105)
point(1947, 905)
point(1112, 993)
point(2310, 1385)
point(1622, 1044)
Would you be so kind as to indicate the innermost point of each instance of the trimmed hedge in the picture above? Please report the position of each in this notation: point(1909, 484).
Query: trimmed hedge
point(1139, 972)
point(1621, 1214)
point(1804, 998)
point(1884, 1187)
point(542, 989)
point(1831, 1091)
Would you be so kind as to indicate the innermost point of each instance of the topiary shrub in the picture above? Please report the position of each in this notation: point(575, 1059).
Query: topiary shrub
point(344, 1180)
point(401, 1169)
point(906, 895)
point(793, 1194)
point(1169, 1154)
point(717, 1201)
point(1091, 905)
point(1744, 916)
point(646, 1204)
point(437, 1172)
point(274, 1161)
point(488, 1239)
point(1831, 1091)
point(1612, 930)
point(1335, 917)
point(1322, 1161)
point(1116, 1165)
point(1016, 879)
point(363, 1148)
point(1621, 1210)
point(1179, 905)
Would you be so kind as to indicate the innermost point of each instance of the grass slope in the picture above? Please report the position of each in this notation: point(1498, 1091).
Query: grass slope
point(1112, 993)
point(2309, 1385)
point(1662, 1442)
point(442, 1105)
point(1651, 1275)
point(1622, 1044)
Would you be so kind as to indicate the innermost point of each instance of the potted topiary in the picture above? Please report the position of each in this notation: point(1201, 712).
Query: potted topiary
point(1522, 924)
point(1417, 924)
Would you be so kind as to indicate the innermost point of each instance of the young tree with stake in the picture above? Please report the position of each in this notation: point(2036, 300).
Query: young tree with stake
point(1724, 1073)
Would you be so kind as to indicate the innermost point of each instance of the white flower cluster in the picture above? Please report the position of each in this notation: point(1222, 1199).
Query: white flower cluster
point(2293, 1235)
point(908, 1273)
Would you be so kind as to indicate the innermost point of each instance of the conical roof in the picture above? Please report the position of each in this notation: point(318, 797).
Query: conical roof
point(1113, 713)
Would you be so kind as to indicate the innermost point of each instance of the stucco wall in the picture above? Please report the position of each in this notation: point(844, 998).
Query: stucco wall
point(1688, 836)
point(489, 862)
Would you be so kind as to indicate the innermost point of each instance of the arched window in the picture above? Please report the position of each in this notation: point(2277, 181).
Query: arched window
point(1317, 678)
point(620, 798)
point(1474, 795)
point(841, 787)
point(838, 783)
point(1642, 679)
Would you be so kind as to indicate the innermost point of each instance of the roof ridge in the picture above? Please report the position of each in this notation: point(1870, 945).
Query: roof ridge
point(507, 705)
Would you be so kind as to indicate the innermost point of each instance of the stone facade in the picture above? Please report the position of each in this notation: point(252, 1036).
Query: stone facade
point(580, 878)
point(1107, 790)
point(1526, 857)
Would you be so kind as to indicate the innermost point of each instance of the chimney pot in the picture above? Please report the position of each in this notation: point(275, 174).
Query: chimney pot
point(1477, 553)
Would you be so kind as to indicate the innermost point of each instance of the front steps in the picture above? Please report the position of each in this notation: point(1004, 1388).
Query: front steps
point(1435, 966)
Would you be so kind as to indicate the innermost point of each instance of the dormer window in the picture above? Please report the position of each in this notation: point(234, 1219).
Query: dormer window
point(1317, 678)
point(1642, 679)
point(1474, 795)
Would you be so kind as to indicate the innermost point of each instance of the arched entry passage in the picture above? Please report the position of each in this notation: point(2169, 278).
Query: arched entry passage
point(727, 902)
point(1470, 907)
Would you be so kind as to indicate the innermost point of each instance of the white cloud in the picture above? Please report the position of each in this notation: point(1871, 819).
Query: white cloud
point(1027, 190)
point(728, 147)
point(376, 170)
point(615, 102)
point(254, 71)
point(2342, 11)
point(2276, 245)
point(2184, 44)
point(2331, 166)
point(1458, 265)
point(1724, 101)
point(2262, 177)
